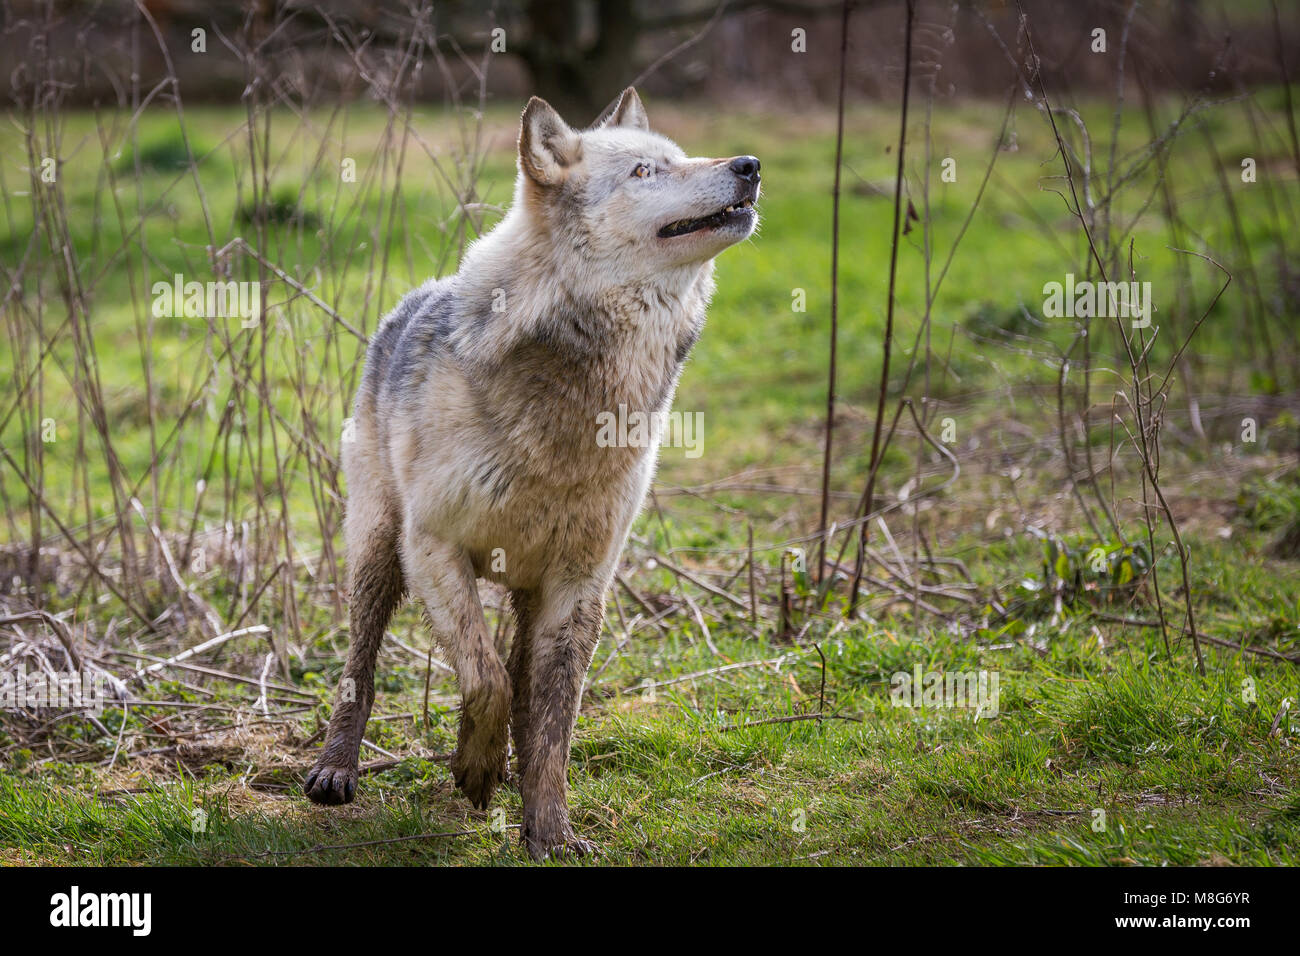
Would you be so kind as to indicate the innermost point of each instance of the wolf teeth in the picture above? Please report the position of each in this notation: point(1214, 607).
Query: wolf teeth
point(713, 220)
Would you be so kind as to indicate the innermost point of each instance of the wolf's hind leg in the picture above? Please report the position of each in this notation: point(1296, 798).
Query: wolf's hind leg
point(377, 589)
point(443, 578)
point(524, 605)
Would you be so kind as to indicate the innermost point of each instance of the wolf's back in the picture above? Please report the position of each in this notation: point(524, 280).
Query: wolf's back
point(404, 347)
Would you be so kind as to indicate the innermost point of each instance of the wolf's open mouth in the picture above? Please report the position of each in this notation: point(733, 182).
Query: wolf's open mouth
point(734, 213)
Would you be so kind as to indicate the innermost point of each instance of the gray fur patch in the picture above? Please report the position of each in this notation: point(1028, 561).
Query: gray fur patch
point(401, 349)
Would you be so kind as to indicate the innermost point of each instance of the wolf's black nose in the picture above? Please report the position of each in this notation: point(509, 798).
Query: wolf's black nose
point(746, 167)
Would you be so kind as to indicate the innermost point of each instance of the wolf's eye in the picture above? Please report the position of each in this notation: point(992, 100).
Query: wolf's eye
point(641, 171)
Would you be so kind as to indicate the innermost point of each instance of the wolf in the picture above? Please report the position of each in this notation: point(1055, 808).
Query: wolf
point(472, 451)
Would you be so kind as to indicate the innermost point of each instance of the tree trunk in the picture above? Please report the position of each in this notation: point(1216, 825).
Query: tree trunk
point(577, 80)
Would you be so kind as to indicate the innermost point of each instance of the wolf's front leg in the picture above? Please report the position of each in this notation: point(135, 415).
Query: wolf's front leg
point(376, 591)
point(562, 641)
point(443, 578)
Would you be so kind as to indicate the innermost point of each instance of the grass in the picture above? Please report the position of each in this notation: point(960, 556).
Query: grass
point(1185, 770)
point(1094, 716)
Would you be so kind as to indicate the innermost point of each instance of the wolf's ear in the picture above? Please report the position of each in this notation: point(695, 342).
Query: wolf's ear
point(547, 146)
point(628, 111)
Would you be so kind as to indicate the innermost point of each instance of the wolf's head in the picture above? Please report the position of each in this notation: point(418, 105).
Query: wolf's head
point(628, 198)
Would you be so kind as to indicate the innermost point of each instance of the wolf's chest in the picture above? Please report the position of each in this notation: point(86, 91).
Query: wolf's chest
point(552, 513)
point(559, 384)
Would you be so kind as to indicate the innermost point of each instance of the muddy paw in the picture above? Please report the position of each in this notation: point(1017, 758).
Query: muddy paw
point(331, 785)
point(478, 779)
point(561, 846)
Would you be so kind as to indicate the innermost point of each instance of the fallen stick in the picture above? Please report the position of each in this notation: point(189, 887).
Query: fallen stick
point(712, 671)
point(1221, 642)
point(212, 672)
point(206, 645)
point(683, 573)
point(789, 719)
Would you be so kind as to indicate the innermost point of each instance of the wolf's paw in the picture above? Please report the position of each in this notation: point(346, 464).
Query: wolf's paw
point(331, 785)
point(558, 846)
point(478, 777)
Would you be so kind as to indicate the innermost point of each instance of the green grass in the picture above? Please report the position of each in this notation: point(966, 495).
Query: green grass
point(1184, 769)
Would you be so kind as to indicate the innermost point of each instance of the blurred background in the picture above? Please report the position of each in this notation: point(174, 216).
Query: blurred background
point(574, 52)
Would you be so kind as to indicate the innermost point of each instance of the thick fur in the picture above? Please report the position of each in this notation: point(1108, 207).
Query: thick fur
point(473, 448)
